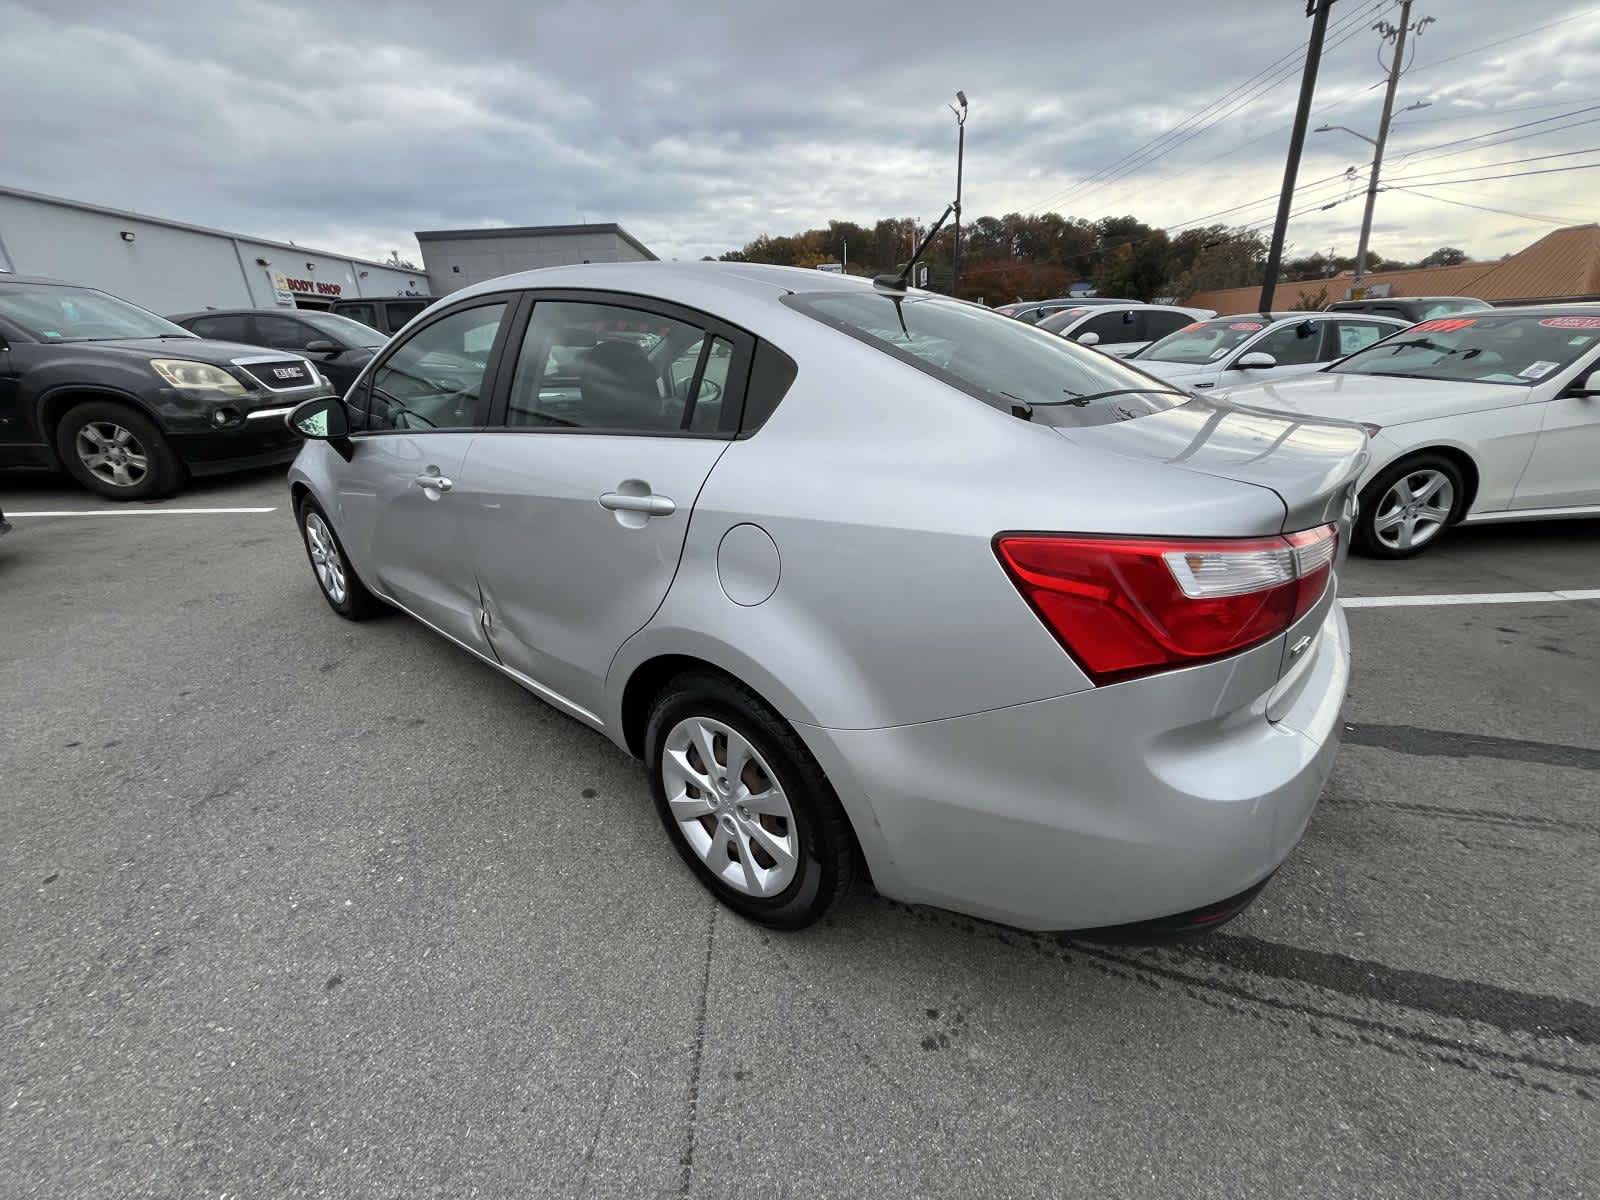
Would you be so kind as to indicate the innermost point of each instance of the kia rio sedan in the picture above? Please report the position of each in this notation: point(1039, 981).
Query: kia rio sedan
point(870, 580)
point(1485, 416)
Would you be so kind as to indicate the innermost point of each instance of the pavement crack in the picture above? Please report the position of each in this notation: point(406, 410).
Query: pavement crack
point(692, 1122)
point(1409, 739)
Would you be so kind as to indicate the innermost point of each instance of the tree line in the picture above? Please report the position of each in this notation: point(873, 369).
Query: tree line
point(1042, 255)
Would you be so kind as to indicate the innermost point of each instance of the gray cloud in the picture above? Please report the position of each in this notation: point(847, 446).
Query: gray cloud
point(699, 126)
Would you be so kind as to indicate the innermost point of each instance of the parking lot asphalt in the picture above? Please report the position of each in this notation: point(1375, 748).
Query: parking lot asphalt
point(294, 907)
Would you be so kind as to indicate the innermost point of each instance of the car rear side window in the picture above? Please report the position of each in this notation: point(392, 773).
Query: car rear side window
point(771, 374)
point(400, 313)
point(606, 367)
point(1002, 362)
point(282, 333)
point(222, 329)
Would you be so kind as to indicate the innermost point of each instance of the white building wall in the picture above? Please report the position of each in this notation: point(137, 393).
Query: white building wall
point(171, 267)
point(457, 262)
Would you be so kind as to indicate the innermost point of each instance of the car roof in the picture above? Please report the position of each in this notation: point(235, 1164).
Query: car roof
point(8, 277)
point(233, 312)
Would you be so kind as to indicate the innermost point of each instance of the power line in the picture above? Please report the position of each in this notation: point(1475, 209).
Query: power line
point(1502, 41)
point(1504, 212)
point(1202, 119)
point(1526, 125)
point(1479, 114)
point(1510, 162)
point(1512, 175)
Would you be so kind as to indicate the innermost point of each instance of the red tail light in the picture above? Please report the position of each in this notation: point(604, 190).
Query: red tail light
point(1130, 606)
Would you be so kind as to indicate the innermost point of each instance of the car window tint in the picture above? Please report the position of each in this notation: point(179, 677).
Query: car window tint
point(1159, 324)
point(1346, 337)
point(282, 333)
point(1114, 327)
point(603, 366)
point(771, 374)
point(435, 378)
point(401, 312)
point(367, 314)
point(222, 329)
point(1292, 345)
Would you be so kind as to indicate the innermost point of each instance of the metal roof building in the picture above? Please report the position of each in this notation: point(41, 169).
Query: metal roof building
point(455, 258)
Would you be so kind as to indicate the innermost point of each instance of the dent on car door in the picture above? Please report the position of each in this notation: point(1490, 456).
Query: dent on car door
point(614, 416)
point(404, 497)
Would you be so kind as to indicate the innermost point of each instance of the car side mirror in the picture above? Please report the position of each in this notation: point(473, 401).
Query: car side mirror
point(1088, 339)
point(323, 419)
point(323, 346)
point(1256, 360)
point(1589, 385)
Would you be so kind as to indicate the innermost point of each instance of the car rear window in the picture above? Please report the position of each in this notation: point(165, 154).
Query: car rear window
point(1002, 362)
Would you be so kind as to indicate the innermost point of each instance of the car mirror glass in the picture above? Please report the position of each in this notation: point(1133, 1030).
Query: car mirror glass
point(323, 419)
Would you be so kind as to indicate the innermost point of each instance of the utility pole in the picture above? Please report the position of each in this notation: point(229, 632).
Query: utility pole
point(1317, 10)
point(1398, 34)
point(961, 148)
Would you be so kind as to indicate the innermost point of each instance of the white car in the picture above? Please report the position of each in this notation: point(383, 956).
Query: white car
point(1122, 328)
point(1234, 351)
point(1489, 416)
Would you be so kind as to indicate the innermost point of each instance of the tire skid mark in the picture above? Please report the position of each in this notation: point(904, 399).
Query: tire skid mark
point(1480, 816)
point(1521, 1059)
point(1444, 743)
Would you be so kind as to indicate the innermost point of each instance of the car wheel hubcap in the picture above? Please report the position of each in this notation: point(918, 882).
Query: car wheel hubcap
point(112, 454)
point(1414, 510)
point(730, 807)
point(325, 558)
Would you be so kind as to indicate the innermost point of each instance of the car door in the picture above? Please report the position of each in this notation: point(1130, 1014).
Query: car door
point(1296, 345)
point(403, 493)
point(616, 411)
point(1564, 469)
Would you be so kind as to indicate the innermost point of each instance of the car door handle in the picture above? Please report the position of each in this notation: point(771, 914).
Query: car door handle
point(651, 506)
point(437, 482)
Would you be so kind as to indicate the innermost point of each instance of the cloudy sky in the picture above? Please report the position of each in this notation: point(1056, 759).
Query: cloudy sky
point(345, 125)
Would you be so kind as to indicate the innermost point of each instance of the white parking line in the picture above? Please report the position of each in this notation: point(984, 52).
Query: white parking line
point(1469, 598)
point(127, 512)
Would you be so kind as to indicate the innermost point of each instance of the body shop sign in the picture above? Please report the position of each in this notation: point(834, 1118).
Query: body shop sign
point(286, 288)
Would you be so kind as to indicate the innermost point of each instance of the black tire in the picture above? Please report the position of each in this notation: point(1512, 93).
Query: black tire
point(356, 603)
point(1366, 540)
point(827, 846)
point(163, 472)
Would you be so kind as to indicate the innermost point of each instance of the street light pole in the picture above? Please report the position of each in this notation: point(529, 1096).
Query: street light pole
point(961, 149)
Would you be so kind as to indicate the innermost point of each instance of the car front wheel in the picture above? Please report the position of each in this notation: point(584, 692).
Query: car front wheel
point(117, 451)
point(341, 586)
point(1407, 507)
point(745, 804)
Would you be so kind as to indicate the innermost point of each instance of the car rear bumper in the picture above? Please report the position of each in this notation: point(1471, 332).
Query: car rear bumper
point(1105, 807)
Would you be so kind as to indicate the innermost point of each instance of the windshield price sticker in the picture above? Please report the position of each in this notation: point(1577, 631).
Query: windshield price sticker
point(1571, 322)
point(1444, 325)
point(1537, 370)
point(1247, 327)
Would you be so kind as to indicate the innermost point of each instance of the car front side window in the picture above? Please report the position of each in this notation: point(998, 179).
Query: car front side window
point(1291, 345)
point(436, 378)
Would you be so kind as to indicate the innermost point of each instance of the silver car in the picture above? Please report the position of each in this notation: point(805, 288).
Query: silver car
point(871, 580)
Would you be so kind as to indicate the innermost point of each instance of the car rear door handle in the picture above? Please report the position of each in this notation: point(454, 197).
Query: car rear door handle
point(651, 506)
point(437, 482)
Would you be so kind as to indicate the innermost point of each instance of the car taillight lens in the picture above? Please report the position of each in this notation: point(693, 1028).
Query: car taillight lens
point(1130, 606)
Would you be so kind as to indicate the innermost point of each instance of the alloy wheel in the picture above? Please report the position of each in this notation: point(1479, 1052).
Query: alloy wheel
point(325, 558)
point(730, 806)
point(1414, 510)
point(112, 454)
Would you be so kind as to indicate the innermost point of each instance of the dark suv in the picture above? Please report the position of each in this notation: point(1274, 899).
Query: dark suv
point(337, 345)
point(1410, 308)
point(126, 401)
point(386, 314)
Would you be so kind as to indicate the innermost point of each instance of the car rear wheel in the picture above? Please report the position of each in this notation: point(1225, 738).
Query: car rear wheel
point(340, 585)
point(745, 804)
point(117, 451)
point(1406, 508)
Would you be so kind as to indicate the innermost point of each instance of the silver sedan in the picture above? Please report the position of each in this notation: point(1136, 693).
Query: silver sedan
point(872, 580)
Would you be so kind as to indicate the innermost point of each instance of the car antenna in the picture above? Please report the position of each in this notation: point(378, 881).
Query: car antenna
point(899, 283)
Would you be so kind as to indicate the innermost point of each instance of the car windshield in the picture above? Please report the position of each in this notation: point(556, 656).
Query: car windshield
point(57, 313)
point(1202, 342)
point(1001, 362)
point(343, 329)
point(1519, 350)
